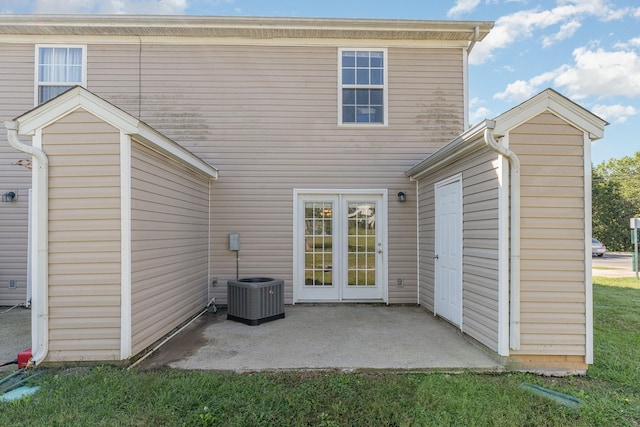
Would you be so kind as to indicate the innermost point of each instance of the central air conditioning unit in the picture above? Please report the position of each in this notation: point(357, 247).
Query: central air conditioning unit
point(255, 300)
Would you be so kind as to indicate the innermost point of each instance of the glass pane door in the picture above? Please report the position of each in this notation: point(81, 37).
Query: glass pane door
point(317, 228)
point(339, 247)
point(361, 244)
point(318, 243)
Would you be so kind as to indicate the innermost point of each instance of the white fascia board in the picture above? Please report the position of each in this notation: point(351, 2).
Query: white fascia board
point(548, 100)
point(235, 41)
point(469, 140)
point(551, 101)
point(155, 140)
point(243, 27)
point(79, 97)
point(69, 102)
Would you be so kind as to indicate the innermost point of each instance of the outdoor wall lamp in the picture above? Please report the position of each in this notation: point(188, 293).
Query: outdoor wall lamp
point(9, 196)
point(402, 197)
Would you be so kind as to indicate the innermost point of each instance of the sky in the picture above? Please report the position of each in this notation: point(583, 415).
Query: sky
point(588, 50)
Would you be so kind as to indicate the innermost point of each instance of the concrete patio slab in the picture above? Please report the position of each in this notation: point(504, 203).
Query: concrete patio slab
point(15, 334)
point(344, 337)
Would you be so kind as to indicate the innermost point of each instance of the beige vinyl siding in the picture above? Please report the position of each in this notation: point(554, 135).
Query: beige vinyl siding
point(113, 74)
point(552, 232)
point(16, 95)
point(169, 239)
point(84, 238)
point(267, 118)
point(480, 262)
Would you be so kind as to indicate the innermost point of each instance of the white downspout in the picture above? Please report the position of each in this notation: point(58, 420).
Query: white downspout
point(476, 35)
point(465, 74)
point(40, 264)
point(27, 303)
point(514, 162)
point(418, 241)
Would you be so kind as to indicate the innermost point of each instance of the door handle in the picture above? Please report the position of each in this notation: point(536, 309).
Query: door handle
point(436, 257)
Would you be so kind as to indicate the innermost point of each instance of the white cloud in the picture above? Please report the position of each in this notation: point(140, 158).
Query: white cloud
point(596, 72)
point(70, 6)
point(601, 73)
point(631, 44)
point(543, 78)
point(477, 110)
point(566, 31)
point(212, 7)
point(521, 25)
point(517, 91)
point(615, 113)
point(473, 102)
point(615, 14)
point(462, 7)
point(480, 114)
point(155, 7)
point(521, 90)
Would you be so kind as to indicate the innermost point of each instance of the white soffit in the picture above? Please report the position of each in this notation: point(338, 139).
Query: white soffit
point(242, 27)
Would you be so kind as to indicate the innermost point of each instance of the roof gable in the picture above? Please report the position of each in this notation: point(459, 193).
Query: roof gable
point(80, 98)
point(551, 101)
point(546, 101)
point(69, 101)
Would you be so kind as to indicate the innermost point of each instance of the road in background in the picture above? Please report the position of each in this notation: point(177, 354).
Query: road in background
point(613, 264)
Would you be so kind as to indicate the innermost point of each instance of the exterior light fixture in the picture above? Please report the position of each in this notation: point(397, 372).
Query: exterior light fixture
point(402, 197)
point(9, 196)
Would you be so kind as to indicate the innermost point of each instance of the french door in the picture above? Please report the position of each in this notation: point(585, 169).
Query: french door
point(340, 247)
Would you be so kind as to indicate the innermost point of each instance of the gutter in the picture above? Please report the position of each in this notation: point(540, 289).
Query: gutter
point(514, 214)
point(462, 144)
point(456, 32)
point(40, 266)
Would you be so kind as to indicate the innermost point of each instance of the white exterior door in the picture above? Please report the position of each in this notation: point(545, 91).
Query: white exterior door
point(448, 250)
point(340, 247)
point(362, 247)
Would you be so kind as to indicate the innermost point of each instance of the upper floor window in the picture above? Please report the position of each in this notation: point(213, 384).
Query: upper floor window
point(57, 69)
point(362, 89)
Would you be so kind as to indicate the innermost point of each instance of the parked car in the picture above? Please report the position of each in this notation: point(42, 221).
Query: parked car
point(597, 248)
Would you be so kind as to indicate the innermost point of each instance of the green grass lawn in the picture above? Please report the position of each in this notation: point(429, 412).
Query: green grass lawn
point(108, 396)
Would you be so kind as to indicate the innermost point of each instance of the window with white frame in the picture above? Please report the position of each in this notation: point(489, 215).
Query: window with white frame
point(57, 69)
point(362, 89)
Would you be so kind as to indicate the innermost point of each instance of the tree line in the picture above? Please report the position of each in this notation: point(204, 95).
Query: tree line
point(616, 199)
